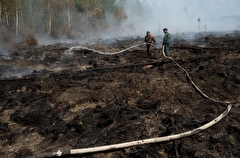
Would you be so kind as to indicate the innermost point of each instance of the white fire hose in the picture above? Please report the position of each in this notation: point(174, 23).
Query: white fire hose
point(143, 141)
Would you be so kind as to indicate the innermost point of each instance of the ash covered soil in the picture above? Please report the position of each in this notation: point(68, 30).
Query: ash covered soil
point(53, 99)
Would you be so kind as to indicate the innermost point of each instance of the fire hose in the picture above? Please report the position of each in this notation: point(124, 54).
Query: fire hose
point(150, 140)
point(101, 52)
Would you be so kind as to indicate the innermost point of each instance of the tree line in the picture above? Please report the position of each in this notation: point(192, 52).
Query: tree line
point(59, 17)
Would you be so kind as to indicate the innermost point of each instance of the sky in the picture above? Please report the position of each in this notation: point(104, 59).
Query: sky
point(181, 15)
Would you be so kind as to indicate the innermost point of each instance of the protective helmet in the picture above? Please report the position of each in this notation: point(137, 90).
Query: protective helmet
point(147, 32)
point(165, 29)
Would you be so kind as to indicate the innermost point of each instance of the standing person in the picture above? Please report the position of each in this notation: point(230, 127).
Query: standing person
point(166, 42)
point(149, 39)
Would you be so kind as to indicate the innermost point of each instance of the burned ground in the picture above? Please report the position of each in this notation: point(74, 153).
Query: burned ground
point(67, 100)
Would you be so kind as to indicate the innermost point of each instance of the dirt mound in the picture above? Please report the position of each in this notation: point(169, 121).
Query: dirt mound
point(83, 99)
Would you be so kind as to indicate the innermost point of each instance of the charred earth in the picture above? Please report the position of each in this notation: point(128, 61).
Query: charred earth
point(52, 98)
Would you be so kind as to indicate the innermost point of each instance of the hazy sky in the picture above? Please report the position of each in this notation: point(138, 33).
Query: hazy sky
point(182, 15)
point(203, 8)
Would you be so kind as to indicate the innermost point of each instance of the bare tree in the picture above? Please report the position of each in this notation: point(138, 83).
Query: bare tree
point(49, 18)
point(68, 15)
point(17, 17)
point(199, 24)
point(56, 17)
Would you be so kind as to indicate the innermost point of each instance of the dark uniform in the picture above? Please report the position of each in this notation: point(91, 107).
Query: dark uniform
point(149, 39)
point(166, 42)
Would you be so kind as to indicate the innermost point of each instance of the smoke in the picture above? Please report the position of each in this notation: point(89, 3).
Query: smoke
point(178, 16)
point(8, 71)
point(4, 54)
point(135, 18)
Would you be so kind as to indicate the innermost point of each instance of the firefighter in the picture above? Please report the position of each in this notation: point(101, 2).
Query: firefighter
point(166, 42)
point(149, 39)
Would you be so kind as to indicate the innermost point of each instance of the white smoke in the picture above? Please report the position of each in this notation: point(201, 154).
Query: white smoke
point(4, 54)
point(179, 16)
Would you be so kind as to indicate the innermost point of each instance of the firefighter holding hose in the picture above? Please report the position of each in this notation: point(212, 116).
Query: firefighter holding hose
point(149, 39)
point(166, 42)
